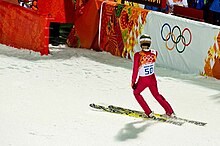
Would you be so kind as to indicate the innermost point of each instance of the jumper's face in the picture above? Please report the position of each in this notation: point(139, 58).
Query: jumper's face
point(145, 46)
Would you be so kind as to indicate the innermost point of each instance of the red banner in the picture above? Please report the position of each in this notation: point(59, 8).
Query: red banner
point(87, 24)
point(23, 28)
point(61, 10)
point(120, 27)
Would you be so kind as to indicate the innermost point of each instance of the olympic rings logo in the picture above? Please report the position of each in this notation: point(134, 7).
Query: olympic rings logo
point(176, 39)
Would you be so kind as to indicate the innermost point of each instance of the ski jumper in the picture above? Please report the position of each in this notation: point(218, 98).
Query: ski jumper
point(144, 62)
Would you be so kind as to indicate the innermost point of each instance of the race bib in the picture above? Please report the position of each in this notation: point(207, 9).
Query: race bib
point(146, 70)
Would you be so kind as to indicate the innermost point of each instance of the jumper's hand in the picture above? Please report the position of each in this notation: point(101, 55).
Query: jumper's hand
point(133, 86)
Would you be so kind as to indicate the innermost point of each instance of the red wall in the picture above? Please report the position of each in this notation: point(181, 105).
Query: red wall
point(23, 28)
point(61, 10)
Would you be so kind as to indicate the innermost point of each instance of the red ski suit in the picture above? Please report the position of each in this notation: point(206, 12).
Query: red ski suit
point(144, 67)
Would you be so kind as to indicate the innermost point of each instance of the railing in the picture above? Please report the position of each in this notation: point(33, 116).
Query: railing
point(190, 13)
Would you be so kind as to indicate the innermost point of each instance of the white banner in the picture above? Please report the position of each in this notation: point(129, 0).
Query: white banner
point(182, 44)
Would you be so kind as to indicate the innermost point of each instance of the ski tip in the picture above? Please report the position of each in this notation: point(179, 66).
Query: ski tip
point(202, 124)
point(91, 104)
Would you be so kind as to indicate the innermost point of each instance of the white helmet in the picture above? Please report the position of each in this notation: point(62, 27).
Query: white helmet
point(145, 42)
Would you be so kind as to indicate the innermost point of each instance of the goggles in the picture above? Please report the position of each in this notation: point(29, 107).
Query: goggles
point(145, 44)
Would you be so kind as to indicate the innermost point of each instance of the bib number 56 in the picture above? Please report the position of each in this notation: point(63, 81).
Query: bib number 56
point(149, 69)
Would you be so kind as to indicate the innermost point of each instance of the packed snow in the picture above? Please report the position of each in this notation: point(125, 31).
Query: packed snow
point(45, 102)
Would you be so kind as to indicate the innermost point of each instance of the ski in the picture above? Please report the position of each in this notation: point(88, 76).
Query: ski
point(136, 114)
point(198, 123)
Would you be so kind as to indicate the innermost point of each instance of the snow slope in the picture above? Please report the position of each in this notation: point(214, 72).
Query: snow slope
point(44, 101)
